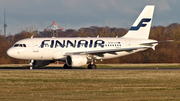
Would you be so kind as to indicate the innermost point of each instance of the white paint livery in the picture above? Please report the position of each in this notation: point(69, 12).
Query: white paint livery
point(80, 51)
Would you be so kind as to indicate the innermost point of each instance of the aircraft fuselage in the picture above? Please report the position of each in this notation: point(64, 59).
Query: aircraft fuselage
point(45, 48)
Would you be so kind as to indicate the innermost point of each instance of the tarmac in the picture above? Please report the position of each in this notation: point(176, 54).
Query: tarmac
point(60, 67)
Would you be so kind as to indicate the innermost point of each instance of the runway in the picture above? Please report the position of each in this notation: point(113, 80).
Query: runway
point(170, 66)
point(60, 68)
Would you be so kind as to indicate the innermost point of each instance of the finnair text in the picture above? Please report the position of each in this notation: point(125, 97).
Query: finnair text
point(72, 43)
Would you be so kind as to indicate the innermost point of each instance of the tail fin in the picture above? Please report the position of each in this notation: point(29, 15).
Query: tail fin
point(141, 27)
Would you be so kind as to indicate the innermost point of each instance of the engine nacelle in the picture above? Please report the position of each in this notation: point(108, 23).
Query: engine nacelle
point(76, 60)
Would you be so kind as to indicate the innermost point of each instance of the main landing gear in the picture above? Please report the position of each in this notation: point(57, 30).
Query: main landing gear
point(91, 66)
point(67, 67)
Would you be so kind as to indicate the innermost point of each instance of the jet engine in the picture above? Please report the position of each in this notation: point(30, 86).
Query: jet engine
point(76, 60)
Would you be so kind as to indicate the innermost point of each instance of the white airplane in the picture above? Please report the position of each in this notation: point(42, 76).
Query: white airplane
point(77, 52)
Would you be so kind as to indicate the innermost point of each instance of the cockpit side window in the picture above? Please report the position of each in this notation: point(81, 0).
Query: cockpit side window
point(24, 45)
point(20, 45)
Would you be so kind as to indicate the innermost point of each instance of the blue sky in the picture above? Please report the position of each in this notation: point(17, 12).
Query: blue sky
point(75, 14)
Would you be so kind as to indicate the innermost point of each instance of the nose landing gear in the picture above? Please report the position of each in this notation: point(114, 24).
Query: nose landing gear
point(32, 64)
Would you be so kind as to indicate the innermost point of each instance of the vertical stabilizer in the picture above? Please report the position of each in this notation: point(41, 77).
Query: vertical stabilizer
point(141, 27)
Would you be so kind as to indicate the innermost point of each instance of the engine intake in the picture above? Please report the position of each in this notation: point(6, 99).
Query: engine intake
point(76, 60)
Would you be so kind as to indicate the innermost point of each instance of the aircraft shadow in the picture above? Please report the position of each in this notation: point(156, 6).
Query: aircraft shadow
point(28, 67)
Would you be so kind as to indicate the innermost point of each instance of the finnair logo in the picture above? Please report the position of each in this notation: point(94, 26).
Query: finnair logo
point(72, 43)
point(140, 24)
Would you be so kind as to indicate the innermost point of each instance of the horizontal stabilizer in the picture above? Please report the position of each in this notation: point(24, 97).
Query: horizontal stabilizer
point(153, 44)
point(150, 43)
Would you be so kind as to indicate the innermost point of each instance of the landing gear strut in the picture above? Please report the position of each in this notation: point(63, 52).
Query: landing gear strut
point(91, 65)
point(67, 67)
point(32, 64)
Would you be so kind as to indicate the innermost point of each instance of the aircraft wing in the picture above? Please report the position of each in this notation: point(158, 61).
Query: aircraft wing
point(111, 51)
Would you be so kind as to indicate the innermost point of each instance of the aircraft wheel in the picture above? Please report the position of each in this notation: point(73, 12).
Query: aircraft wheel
point(89, 66)
point(92, 66)
point(67, 67)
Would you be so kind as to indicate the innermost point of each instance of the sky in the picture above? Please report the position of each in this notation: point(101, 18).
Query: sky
point(75, 14)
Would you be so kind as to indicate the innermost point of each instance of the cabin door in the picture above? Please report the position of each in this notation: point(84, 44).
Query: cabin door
point(35, 46)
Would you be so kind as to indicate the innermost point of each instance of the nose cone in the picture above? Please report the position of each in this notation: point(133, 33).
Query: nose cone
point(10, 52)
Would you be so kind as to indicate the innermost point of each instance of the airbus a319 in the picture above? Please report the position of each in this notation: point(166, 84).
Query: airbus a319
point(77, 52)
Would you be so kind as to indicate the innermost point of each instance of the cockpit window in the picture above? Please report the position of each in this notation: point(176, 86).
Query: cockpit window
point(24, 45)
point(20, 45)
point(16, 45)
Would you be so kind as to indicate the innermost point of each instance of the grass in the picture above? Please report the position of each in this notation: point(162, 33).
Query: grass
point(85, 85)
point(168, 66)
point(137, 66)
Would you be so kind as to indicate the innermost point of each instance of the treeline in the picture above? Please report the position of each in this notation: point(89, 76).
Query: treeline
point(164, 53)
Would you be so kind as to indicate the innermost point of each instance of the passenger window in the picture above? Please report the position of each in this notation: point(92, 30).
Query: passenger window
point(20, 45)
